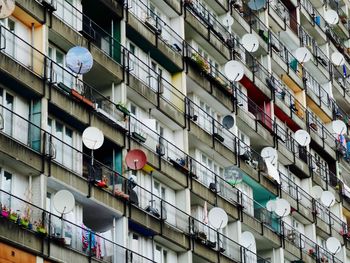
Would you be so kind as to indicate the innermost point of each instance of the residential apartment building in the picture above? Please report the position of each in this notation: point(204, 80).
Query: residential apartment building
point(158, 84)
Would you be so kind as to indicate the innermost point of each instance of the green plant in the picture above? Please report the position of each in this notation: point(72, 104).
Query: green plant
point(13, 216)
point(122, 107)
point(201, 62)
point(24, 222)
point(40, 227)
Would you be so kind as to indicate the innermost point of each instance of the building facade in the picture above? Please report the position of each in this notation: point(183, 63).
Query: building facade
point(158, 84)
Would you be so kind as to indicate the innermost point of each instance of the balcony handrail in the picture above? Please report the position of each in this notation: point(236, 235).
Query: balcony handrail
point(97, 162)
point(303, 240)
point(159, 22)
point(215, 25)
point(47, 215)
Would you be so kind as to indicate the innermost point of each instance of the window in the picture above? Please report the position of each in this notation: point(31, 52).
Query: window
point(208, 169)
point(132, 61)
point(6, 186)
point(60, 73)
point(62, 142)
point(160, 254)
point(7, 102)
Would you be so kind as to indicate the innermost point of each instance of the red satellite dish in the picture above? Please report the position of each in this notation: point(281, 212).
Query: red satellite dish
point(135, 159)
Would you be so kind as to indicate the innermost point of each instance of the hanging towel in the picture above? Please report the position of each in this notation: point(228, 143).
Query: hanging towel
point(294, 65)
point(344, 71)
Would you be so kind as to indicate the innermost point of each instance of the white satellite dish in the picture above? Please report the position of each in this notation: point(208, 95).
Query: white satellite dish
point(234, 70)
point(271, 205)
point(337, 59)
point(250, 42)
point(6, 8)
point(217, 217)
point(282, 207)
point(93, 138)
point(63, 202)
point(247, 240)
point(79, 60)
point(227, 20)
point(339, 127)
point(302, 54)
point(269, 154)
point(333, 245)
point(302, 137)
point(331, 17)
point(327, 198)
point(316, 192)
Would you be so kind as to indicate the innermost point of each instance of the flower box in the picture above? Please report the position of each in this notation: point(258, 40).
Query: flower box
point(123, 109)
point(24, 223)
point(5, 213)
point(139, 137)
point(13, 217)
point(41, 230)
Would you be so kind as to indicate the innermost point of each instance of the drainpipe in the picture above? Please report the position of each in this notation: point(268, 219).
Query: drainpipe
point(32, 50)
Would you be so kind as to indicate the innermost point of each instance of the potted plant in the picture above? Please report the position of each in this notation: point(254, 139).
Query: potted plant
point(312, 252)
point(122, 107)
point(40, 228)
point(13, 216)
point(24, 222)
point(343, 18)
point(138, 136)
point(201, 62)
point(103, 183)
point(5, 212)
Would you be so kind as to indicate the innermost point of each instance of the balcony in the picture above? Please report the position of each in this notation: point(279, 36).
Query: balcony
point(159, 94)
point(207, 30)
point(254, 121)
point(140, 207)
point(319, 96)
point(204, 75)
point(341, 88)
point(323, 138)
point(161, 40)
point(71, 26)
point(313, 22)
point(248, 22)
point(287, 107)
point(298, 198)
point(284, 62)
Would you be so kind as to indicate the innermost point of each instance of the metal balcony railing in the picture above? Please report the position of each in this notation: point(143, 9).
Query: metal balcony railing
point(210, 21)
point(63, 232)
point(162, 28)
point(146, 200)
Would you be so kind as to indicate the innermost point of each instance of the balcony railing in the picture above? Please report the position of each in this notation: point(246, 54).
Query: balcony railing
point(210, 21)
point(209, 70)
point(315, 16)
point(162, 28)
point(61, 231)
point(312, 85)
point(281, 10)
point(307, 246)
point(121, 187)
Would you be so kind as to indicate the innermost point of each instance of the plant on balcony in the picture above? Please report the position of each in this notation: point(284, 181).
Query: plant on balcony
point(122, 107)
point(40, 228)
point(139, 137)
point(103, 183)
point(201, 62)
point(82, 98)
point(312, 252)
point(24, 222)
point(5, 212)
point(324, 259)
point(343, 18)
point(13, 216)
